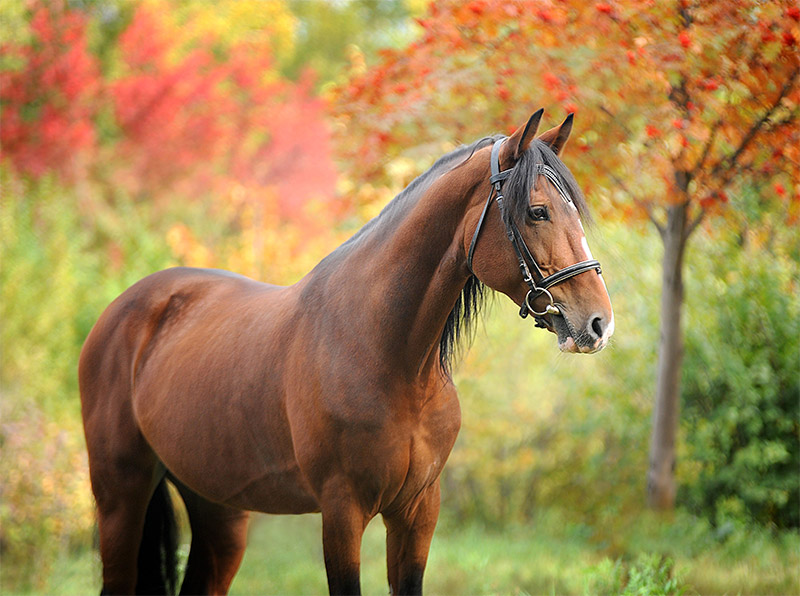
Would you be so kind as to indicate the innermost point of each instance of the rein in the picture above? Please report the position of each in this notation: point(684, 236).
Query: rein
point(541, 285)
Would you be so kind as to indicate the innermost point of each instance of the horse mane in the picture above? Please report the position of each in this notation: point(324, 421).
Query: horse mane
point(461, 321)
point(460, 324)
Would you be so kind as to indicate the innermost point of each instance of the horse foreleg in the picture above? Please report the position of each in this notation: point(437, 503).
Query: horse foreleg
point(343, 524)
point(408, 540)
point(219, 538)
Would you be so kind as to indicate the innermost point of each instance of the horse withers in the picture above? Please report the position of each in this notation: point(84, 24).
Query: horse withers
point(332, 395)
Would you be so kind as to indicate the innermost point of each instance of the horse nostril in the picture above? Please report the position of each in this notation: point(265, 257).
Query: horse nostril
point(597, 326)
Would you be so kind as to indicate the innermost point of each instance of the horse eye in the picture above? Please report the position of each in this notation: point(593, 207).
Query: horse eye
point(538, 213)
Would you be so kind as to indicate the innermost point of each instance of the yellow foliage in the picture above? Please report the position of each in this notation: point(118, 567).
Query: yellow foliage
point(232, 21)
point(186, 247)
point(46, 501)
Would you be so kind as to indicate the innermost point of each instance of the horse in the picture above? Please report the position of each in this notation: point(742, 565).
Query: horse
point(333, 395)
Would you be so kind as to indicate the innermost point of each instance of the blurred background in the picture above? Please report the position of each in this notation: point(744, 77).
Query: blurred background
point(256, 136)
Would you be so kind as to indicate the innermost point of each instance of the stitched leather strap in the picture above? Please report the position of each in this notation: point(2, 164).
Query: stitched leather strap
point(523, 253)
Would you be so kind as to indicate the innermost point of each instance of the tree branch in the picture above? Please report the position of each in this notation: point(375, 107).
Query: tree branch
point(646, 205)
point(661, 227)
point(694, 223)
point(611, 115)
point(730, 161)
point(707, 148)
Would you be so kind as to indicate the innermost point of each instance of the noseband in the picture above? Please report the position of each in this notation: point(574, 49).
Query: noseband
point(543, 283)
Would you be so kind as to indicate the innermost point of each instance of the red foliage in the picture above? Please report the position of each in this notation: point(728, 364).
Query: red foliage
point(168, 113)
point(49, 103)
point(188, 122)
point(201, 122)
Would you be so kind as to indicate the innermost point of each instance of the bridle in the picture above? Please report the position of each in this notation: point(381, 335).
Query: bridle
point(543, 283)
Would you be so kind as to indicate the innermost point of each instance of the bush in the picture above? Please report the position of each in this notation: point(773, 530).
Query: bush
point(648, 575)
point(58, 275)
point(46, 506)
point(741, 393)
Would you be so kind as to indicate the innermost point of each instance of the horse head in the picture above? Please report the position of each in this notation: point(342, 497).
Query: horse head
point(535, 251)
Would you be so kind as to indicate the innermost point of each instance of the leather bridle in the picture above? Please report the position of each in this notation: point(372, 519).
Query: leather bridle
point(541, 285)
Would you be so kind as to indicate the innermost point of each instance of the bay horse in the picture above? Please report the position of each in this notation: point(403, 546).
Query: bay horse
point(333, 395)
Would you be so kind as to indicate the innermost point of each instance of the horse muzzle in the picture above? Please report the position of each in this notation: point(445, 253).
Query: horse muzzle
point(587, 338)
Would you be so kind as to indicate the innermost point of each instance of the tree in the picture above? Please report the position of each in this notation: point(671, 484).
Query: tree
point(48, 94)
point(175, 109)
point(326, 30)
point(680, 105)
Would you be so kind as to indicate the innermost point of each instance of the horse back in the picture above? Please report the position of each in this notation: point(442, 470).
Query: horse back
point(126, 332)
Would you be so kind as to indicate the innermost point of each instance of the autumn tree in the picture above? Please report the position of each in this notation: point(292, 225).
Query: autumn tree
point(680, 105)
point(170, 103)
point(49, 89)
point(216, 115)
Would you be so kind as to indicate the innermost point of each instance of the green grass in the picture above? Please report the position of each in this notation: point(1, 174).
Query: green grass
point(549, 556)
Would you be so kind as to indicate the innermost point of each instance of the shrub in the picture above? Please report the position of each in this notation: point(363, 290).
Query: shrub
point(46, 505)
point(741, 393)
point(648, 575)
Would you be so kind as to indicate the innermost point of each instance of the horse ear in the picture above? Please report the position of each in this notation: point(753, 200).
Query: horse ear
point(522, 137)
point(557, 137)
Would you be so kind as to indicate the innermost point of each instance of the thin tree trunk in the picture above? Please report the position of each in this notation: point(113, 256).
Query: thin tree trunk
point(661, 476)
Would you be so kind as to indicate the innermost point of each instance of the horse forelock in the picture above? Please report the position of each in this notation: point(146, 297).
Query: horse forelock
point(523, 178)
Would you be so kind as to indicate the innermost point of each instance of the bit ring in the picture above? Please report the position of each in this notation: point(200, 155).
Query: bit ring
point(550, 309)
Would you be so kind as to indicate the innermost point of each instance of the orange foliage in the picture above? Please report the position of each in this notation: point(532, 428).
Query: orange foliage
point(702, 91)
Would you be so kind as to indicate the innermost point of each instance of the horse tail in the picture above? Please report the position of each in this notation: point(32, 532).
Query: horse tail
point(157, 571)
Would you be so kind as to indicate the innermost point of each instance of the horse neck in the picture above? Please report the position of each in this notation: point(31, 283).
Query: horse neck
point(403, 278)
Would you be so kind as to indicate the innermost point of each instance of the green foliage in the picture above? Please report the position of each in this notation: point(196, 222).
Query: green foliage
point(14, 30)
point(649, 575)
point(545, 429)
point(550, 555)
point(741, 389)
point(57, 275)
point(328, 30)
point(573, 432)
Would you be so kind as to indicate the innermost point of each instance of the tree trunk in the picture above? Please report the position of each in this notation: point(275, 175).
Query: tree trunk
point(661, 476)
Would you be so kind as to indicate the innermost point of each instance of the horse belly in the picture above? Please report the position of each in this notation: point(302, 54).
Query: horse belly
point(221, 458)
point(276, 492)
point(229, 440)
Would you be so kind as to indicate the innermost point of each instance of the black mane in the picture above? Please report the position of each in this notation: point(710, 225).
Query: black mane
point(516, 189)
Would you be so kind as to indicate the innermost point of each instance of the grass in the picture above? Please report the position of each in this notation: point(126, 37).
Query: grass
point(547, 556)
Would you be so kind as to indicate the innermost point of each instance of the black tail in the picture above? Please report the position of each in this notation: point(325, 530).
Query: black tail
point(158, 552)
